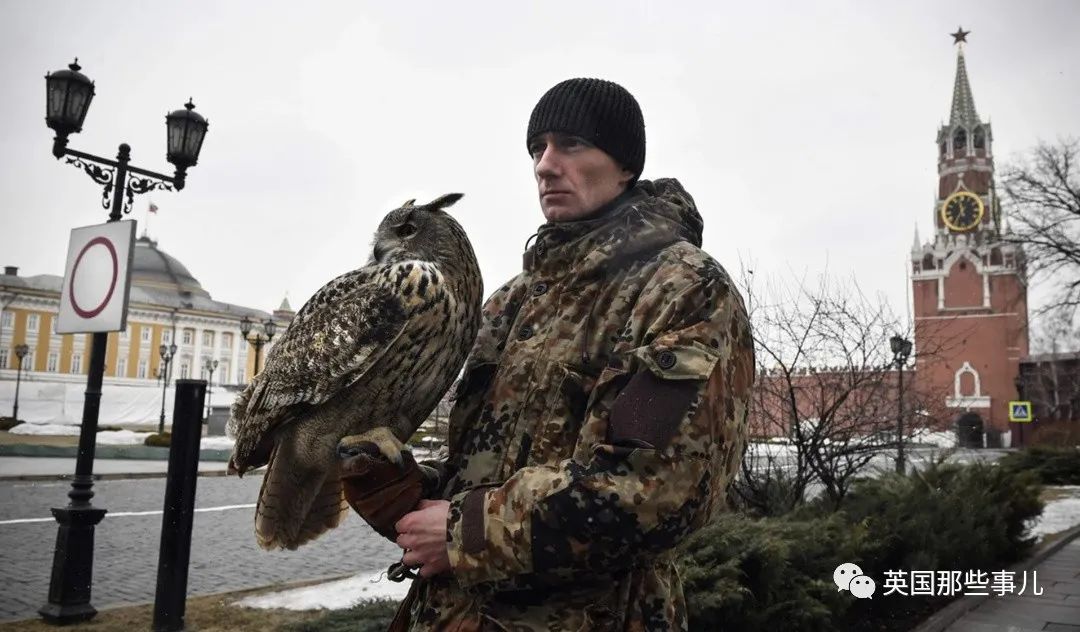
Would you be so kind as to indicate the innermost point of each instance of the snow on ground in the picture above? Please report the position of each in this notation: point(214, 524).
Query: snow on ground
point(122, 437)
point(938, 439)
point(1060, 514)
point(216, 443)
point(46, 429)
point(335, 595)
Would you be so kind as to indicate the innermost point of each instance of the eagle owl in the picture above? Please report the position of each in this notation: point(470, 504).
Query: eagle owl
point(365, 359)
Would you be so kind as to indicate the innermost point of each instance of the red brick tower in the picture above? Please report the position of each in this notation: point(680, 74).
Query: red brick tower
point(969, 288)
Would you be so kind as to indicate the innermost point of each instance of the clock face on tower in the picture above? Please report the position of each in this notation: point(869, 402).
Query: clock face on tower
point(962, 211)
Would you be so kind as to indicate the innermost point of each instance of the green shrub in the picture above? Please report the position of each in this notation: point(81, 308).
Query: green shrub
point(369, 616)
point(775, 573)
point(1053, 465)
point(158, 440)
point(767, 574)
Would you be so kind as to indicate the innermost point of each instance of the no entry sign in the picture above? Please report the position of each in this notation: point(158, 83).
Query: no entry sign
point(97, 279)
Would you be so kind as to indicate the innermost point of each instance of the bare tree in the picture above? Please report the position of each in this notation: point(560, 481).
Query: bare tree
point(826, 396)
point(1043, 191)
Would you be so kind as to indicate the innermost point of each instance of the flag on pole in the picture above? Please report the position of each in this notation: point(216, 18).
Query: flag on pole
point(153, 208)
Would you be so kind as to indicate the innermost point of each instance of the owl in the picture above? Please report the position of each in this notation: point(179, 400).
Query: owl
point(366, 359)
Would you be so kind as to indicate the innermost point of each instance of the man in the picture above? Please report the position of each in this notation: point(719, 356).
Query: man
point(602, 411)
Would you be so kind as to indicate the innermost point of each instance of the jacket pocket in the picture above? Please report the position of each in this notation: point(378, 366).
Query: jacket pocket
point(652, 405)
point(555, 433)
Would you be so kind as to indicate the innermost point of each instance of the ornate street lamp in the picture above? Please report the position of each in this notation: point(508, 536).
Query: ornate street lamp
point(210, 367)
point(901, 349)
point(68, 94)
point(258, 341)
point(20, 353)
point(166, 354)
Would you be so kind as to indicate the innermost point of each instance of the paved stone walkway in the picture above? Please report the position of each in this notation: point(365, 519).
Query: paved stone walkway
point(1057, 609)
point(224, 554)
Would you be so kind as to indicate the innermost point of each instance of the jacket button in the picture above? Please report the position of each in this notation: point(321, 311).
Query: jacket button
point(665, 359)
point(525, 332)
point(540, 288)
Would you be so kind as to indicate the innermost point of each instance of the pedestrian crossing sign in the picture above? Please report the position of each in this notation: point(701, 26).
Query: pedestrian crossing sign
point(1020, 412)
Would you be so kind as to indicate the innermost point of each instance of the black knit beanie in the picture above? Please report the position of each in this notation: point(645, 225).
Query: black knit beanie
point(602, 112)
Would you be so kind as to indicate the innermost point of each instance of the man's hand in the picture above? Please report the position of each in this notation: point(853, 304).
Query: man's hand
point(423, 537)
point(381, 491)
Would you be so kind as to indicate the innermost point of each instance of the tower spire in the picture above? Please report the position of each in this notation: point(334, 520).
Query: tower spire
point(963, 102)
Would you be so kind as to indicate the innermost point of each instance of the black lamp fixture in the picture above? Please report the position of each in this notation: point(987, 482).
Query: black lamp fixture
point(269, 328)
point(20, 352)
point(68, 94)
point(901, 349)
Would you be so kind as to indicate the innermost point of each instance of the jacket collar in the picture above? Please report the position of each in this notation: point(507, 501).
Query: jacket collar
point(640, 221)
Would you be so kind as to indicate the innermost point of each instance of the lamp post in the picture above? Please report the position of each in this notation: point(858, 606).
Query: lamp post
point(1018, 381)
point(166, 354)
point(20, 353)
point(258, 341)
point(67, 99)
point(210, 366)
point(901, 349)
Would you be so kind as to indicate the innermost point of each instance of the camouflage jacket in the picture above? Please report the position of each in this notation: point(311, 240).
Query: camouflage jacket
point(601, 416)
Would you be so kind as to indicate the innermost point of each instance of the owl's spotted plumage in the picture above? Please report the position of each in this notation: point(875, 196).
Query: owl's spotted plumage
point(374, 348)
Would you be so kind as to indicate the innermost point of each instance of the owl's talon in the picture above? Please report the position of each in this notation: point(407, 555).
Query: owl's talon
point(373, 443)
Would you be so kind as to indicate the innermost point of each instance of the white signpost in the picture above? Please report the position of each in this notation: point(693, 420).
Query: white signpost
point(97, 279)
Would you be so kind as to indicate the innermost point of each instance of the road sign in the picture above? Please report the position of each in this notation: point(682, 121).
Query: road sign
point(97, 278)
point(1020, 412)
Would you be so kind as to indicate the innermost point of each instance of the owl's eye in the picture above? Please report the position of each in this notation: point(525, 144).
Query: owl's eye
point(406, 230)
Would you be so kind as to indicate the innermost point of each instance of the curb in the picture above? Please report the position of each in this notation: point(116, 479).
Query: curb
point(133, 452)
point(110, 476)
point(949, 614)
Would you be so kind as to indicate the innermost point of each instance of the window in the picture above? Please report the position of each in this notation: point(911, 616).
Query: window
point(28, 361)
point(125, 333)
point(960, 143)
point(32, 324)
point(142, 368)
point(166, 336)
point(226, 341)
point(223, 372)
point(121, 367)
point(53, 361)
point(208, 339)
point(9, 318)
point(3, 358)
point(76, 363)
point(189, 336)
point(144, 333)
point(185, 370)
point(239, 376)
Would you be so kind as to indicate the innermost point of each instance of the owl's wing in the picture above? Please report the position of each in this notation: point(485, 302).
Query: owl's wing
point(339, 334)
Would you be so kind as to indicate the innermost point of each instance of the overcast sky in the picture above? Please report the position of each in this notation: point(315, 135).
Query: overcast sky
point(805, 131)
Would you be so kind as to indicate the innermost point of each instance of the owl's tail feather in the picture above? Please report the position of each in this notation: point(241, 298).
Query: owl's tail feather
point(296, 503)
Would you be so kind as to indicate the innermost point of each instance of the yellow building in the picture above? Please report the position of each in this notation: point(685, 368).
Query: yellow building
point(167, 305)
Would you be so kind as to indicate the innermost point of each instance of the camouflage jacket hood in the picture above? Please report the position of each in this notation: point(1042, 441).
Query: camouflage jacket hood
point(641, 221)
point(599, 420)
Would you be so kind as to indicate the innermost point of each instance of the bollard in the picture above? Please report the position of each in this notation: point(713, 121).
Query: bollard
point(175, 553)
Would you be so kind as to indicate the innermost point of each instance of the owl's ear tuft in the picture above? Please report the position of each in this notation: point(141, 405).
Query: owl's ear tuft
point(444, 201)
point(408, 203)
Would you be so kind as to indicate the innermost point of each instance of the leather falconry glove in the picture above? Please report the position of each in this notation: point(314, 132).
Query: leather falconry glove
point(381, 491)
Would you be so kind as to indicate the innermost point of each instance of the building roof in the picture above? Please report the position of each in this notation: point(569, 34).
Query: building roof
point(963, 102)
point(154, 268)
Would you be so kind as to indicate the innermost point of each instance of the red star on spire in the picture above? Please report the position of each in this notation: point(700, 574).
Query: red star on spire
point(960, 35)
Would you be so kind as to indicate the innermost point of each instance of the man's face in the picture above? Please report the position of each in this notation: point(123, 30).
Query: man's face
point(573, 177)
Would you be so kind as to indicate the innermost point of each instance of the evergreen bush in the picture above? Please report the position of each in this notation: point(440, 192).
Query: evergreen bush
point(1052, 464)
point(775, 573)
